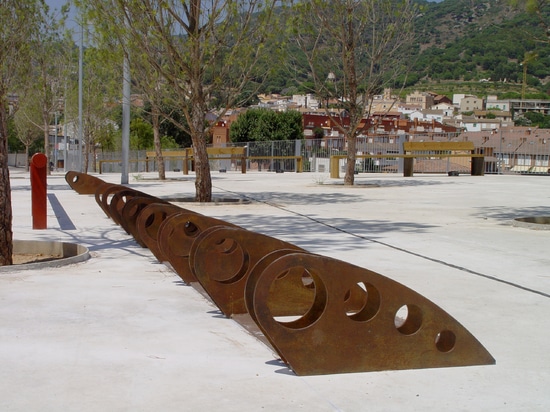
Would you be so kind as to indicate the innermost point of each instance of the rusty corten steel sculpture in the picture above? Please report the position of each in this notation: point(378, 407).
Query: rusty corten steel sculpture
point(119, 200)
point(178, 233)
point(82, 183)
point(131, 212)
point(221, 259)
point(148, 223)
point(320, 315)
point(395, 329)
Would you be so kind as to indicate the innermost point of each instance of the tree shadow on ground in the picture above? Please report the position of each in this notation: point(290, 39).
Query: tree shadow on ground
point(403, 182)
point(505, 214)
point(285, 198)
point(318, 234)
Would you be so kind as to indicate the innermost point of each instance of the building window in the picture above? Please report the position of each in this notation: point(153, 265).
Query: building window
point(541, 160)
point(524, 160)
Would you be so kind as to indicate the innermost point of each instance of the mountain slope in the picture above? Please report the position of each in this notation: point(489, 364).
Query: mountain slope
point(468, 41)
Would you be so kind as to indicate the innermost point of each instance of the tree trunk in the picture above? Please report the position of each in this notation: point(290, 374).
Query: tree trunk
point(6, 233)
point(94, 157)
point(349, 179)
point(46, 127)
point(27, 160)
point(85, 157)
point(203, 179)
point(156, 139)
point(198, 108)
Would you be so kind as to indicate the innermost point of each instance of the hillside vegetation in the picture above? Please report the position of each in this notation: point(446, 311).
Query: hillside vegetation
point(466, 46)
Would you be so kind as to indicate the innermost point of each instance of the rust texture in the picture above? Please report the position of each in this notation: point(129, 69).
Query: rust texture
point(319, 314)
point(82, 183)
point(148, 224)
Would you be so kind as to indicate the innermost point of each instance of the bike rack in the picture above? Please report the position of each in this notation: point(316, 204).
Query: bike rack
point(321, 315)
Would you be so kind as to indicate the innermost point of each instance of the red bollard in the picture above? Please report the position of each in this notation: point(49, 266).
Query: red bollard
point(39, 163)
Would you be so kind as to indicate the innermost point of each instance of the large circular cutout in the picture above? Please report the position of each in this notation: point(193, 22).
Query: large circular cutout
point(297, 298)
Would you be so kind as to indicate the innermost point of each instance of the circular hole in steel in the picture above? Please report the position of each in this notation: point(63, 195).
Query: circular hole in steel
point(229, 261)
point(296, 298)
point(190, 229)
point(362, 302)
point(445, 341)
point(408, 319)
point(150, 220)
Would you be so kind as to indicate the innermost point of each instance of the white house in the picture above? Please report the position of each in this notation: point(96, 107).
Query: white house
point(446, 108)
point(493, 103)
point(416, 115)
point(471, 124)
point(436, 115)
point(457, 98)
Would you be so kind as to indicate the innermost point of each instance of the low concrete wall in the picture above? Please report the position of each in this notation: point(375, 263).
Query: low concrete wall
point(17, 160)
point(64, 254)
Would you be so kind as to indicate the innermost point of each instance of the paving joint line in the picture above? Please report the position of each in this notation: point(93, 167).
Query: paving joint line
point(400, 249)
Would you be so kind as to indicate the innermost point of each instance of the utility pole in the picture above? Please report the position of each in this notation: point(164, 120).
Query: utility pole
point(80, 93)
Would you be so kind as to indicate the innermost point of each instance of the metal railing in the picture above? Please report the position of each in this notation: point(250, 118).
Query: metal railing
point(511, 154)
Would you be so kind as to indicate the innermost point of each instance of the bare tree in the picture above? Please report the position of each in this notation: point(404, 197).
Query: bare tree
point(153, 88)
point(19, 21)
point(49, 70)
point(27, 121)
point(100, 87)
point(355, 48)
point(211, 50)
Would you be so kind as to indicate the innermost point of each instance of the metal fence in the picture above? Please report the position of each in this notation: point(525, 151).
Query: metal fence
point(512, 154)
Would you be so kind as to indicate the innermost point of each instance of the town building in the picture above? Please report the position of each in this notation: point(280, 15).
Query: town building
point(422, 100)
point(470, 103)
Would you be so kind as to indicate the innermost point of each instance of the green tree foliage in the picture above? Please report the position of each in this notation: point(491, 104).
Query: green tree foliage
point(141, 134)
point(534, 119)
point(266, 125)
point(172, 128)
point(539, 8)
point(458, 40)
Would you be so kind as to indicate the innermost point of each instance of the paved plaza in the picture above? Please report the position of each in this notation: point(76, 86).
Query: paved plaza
point(121, 332)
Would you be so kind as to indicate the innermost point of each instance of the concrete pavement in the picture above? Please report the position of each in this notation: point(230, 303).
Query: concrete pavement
point(121, 332)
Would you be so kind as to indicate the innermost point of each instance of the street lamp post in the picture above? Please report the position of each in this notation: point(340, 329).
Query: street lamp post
point(55, 143)
point(80, 97)
point(126, 90)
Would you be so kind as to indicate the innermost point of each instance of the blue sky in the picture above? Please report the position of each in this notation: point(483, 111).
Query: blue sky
point(55, 4)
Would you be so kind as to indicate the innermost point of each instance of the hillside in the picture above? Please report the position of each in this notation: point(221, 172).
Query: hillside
point(463, 42)
point(470, 40)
